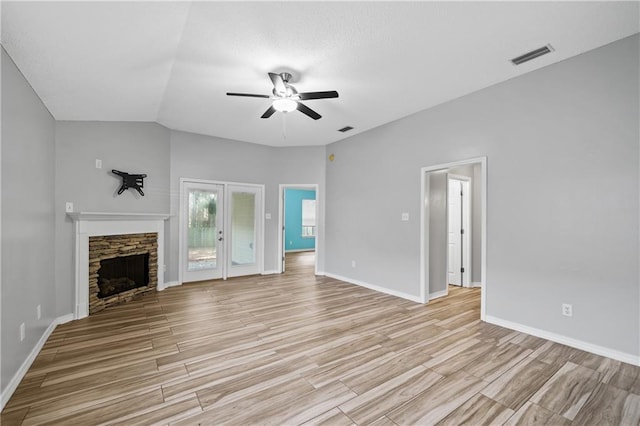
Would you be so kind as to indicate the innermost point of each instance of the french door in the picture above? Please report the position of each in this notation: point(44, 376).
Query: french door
point(221, 230)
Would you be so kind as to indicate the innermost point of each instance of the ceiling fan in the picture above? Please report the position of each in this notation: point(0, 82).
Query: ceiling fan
point(286, 98)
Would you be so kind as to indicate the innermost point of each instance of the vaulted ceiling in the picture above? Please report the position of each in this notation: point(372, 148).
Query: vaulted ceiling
point(173, 62)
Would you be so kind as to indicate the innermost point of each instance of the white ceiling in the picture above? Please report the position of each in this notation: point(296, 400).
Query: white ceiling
point(173, 62)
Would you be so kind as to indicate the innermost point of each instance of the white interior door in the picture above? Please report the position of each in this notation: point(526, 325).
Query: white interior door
point(203, 232)
point(459, 232)
point(244, 233)
point(454, 240)
point(465, 187)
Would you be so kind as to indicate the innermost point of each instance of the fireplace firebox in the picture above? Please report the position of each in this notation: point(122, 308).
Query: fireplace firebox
point(123, 273)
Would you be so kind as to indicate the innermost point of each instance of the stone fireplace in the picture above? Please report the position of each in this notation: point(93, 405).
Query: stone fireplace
point(101, 237)
point(120, 268)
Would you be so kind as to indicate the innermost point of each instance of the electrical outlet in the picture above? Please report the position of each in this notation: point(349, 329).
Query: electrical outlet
point(39, 311)
point(353, 263)
point(404, 217)
point(22, 332)
point(68, 207)
point(567, 310)
point(98, 164)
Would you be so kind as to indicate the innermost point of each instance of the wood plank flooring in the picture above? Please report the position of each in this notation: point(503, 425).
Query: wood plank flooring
point(297, 349)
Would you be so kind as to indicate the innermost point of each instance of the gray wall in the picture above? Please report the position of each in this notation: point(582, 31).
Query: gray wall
point(27, 218)
point(204, 157)
point(437, 232)
point(128, 147)
point(562, 147)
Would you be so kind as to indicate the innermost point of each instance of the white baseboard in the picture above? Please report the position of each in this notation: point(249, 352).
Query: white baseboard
point(271, 272)
point(438, 294)
point(17, 378)
point(171, 284)
point(574, 343)
point(476, 284)
point(396, 293)
point(65, 319)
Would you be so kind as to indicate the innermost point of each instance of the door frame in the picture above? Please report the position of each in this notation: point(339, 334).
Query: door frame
point(281, 220)
point(467, 260)
point(226, 223)
point(424, 227)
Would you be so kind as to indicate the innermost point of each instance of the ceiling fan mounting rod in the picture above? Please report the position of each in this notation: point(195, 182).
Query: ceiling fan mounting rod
point(285, 76)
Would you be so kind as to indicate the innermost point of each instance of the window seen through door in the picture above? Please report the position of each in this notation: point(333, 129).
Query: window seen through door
point(308, 218)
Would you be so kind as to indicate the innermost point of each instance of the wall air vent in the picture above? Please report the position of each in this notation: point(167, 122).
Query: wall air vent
point(532, 55)
point(345, 129)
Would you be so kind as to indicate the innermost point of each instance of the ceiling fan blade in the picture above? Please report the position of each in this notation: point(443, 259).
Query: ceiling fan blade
point(308, 111)
point(318, 95)
point(248, 95)
point(278, 83)
point(269, 112)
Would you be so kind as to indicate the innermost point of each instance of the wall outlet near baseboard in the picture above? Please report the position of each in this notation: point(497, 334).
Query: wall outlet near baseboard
point(22, 332)
point(567, 310)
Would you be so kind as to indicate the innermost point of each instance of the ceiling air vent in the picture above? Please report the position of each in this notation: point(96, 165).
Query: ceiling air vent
point(532, 55)
point(345, 129)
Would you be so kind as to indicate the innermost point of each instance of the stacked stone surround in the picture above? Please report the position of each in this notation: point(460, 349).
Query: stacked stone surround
point(110, 246)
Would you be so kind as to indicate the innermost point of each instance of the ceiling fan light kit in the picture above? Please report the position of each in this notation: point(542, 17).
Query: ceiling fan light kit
point(286, 98)
point(285, 104)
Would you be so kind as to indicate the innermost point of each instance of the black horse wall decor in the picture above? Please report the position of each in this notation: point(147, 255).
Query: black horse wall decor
point(130, 181)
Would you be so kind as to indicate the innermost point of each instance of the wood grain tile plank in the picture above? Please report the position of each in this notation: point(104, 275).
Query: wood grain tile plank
point(376, 402)
point(567, 390)
point(479, 410)
point(438, 401)
point(609, 405)
point(519, 383)
point(531, 414)
point(333, 417)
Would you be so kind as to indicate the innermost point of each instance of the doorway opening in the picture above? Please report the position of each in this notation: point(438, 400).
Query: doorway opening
point(453, 228)
point(221, 230)
point(299, 227)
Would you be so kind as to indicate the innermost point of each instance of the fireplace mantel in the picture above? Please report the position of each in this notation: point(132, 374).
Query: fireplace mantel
point(91, 224)
point(116, 216)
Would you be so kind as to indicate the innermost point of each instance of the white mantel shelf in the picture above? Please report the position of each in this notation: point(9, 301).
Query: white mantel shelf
point(76, 216)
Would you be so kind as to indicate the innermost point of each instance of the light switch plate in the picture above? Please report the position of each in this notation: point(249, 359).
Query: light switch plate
point(405, 217)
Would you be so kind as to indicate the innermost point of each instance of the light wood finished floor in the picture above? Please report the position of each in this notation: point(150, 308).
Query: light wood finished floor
point(296, 349)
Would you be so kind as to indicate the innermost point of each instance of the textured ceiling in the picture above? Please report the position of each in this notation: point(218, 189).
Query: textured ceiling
point(173, 62)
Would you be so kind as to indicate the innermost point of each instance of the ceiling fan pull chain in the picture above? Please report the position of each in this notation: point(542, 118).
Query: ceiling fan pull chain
point(284, 127)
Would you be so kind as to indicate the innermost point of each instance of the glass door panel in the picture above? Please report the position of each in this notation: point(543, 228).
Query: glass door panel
point(244, 203)
point(243, 228)
point(203, 236)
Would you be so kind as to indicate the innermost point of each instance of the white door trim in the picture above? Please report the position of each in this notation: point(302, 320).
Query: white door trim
point(181, 218)
point(424, 228)
point(280, 250)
